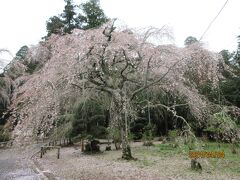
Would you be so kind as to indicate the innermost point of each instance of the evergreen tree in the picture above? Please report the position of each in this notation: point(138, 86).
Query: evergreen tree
point(54, 25)
point(22, 52)
point(93, 15)
point(190, 40)
point(230, 86)
point(68, 16)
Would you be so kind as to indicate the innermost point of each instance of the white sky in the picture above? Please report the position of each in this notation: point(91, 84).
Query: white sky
point(23, 22)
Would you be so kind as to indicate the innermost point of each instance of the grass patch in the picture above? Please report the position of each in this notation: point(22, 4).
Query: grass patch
point(149, 156)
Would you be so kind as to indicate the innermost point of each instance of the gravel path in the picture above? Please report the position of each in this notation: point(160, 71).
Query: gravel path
point(16, 164)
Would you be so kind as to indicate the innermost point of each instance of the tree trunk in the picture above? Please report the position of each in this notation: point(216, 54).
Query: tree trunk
point(119, 120)
point(126, 149)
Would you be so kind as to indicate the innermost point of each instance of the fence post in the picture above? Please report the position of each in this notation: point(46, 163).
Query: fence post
point(41, 154)
point(58, 153)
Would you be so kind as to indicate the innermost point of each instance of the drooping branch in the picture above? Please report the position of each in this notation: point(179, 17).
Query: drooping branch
point(174, 113)
point(154, 82)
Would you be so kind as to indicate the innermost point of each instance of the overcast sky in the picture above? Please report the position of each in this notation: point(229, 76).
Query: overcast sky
point(23, 22)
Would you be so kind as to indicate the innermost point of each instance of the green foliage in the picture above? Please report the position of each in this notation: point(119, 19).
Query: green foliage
point(54, 25)
point(31, 67)
point(89, 118)
point(148, 135)
point(222, 127)
point(2, 83)
point(190, 40)
point(137, 128)
point(230, 86)
point(226, 55)
point(63, 127)
point(231, 89)
point(92, 145)
point(4, 135)
point(22, 52)
point(68, 16)
point(172, 135)
point(91, 16)
point(116, 136)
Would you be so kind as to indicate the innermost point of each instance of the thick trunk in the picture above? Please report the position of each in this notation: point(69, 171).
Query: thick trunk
point(119, 120)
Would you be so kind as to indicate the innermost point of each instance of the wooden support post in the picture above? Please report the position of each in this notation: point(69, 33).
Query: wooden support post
point(58, 153)
point(82, 145)
point(60, 142)
point(41, 154)
point(64, 142)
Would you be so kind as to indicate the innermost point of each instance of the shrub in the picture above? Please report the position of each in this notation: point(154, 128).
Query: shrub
point(31, 67)
point(148, 136)
point(222, 127)
point(4, 135)
point(172, 135)
point(116, 135)
point(92, 145)
point(137, 130)
point(98, 131)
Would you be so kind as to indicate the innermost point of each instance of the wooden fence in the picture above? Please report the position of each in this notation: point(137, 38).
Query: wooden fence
point(55, 144)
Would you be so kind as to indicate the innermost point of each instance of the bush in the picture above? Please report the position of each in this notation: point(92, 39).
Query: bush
point(98, 131)
point(116, 135)
point(147, 136)
point(137, 130)
point(222, 127)
point(92, 145)
point(172, 135)
point(31, 67)
point(4, 135)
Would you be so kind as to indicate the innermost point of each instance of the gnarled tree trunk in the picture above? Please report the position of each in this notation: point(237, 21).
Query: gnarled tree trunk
point(119, 119)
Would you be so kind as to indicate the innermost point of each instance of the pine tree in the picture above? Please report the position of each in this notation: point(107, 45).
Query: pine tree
point(93, 15)
point(22, 52)
point(54, 25)
point(68, 16)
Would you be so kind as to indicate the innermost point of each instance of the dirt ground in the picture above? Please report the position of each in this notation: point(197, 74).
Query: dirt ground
point(107, 165)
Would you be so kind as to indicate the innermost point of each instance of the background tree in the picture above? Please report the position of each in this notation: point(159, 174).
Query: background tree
point(93, 16)
point(22, 52)
point(87, 15)
point(54, 25)
point(190, 40)
point(230, 86)
point(68, 16)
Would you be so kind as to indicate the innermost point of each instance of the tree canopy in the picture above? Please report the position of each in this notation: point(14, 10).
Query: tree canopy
point(85, 16)
point(190, 40)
